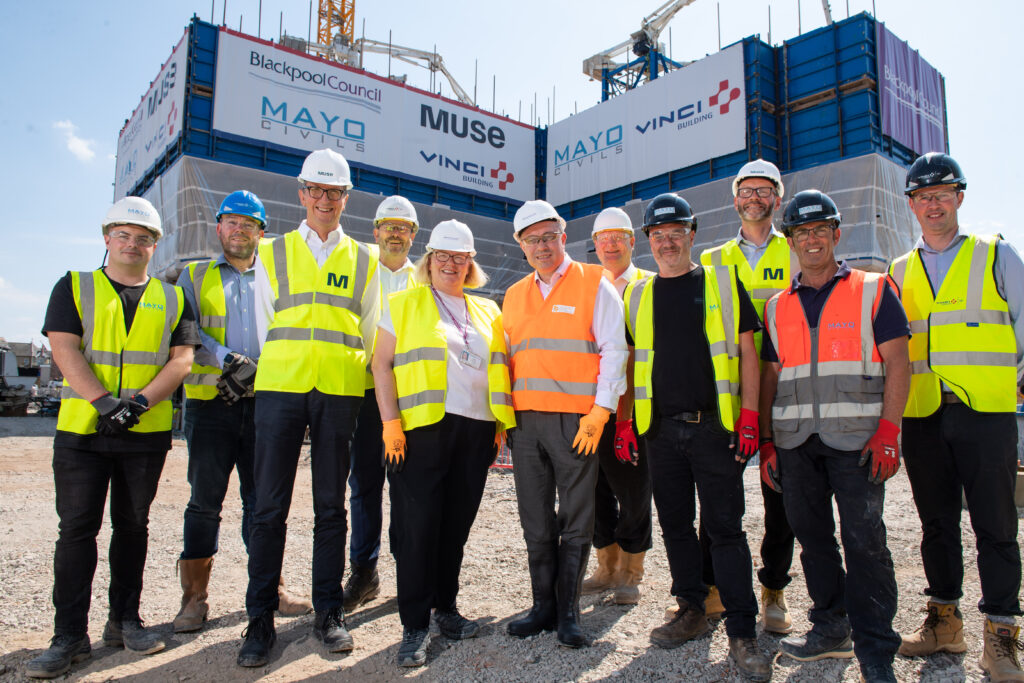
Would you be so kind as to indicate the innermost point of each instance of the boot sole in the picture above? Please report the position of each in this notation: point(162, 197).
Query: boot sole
point(190, 626)
point(546, 628)
point(831, 654)
point(251, 662)
point(780, 631)
point(42, 673)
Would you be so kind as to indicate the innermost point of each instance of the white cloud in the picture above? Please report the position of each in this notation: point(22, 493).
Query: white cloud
point(80, 147)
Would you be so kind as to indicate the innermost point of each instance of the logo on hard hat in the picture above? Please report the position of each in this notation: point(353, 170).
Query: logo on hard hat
point(734, 94)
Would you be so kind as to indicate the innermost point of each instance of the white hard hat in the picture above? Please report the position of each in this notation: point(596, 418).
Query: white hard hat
point(451, 235)
point(759, 168)
point(612, 218)
point(326, 167)
point(395, 208)
point(533, 211)
point(134, 211)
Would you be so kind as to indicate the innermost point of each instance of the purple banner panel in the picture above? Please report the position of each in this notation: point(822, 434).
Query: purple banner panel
point(913, 106)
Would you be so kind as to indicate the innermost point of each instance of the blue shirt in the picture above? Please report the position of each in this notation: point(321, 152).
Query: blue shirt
point(240, 329)
point(753, 252)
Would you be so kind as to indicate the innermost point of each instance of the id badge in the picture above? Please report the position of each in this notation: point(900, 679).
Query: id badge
point(470, 359)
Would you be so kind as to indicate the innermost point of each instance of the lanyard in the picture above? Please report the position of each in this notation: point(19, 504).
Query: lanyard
point(464, 331)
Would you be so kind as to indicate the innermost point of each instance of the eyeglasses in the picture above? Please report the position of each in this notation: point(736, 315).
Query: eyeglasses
point(395, 229)
point(128, 238)
point(334, 194)
point(801, 234)
point(546, 238)
point(249, 226)
point(673, 234)
point(457, 259)
point(748, 192)
point(942, 196)
point(612, 238)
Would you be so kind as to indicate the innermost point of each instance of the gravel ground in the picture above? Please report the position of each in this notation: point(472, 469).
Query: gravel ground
point(495, 589)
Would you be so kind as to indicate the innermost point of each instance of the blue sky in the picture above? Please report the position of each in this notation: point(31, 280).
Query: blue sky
point(73, 75)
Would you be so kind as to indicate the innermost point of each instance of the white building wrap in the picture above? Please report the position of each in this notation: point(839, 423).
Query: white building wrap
point(268, 93)
point(683, 118)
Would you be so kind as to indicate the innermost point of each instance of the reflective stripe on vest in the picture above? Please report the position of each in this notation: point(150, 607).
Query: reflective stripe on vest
point(421, 354)
point(555, 358)
point(962, 335)
point(831, 378)
point(314, 340)
point(721, 325)
point(208, 287)
point(123, 362)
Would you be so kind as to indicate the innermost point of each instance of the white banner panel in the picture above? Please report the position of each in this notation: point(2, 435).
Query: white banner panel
point(267, 93)
point(155, 123)
point(683, 118)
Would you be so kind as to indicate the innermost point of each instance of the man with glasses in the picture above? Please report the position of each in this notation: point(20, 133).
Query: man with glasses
point(394, 229)
point(317, 306)
point(964, 295)
point(764, 263)
point(219, 408)
point(123, 341)
point(695, 379)
point(834, 380)
point(622, 527)
point(568, 359)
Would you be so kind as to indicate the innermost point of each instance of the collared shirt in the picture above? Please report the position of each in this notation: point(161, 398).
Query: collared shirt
point(392, 281)
point(621, 282)
point(240, 327)
point(320, 250)
point(753, 252)
point(608, 328)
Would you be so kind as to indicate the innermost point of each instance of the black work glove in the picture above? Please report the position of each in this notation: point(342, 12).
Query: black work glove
point(117, 415)
point(238, 379)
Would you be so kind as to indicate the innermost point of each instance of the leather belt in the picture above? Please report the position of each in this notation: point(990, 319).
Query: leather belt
point(691, 417)
point(950, 398)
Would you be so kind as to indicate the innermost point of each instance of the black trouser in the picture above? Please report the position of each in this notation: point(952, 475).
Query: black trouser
point(221, 438)
point(281, 421)
point(622, 500)
point(367, 485)
point(81, 479)
point(956, 448)
point(440, 489)
point(864, 596)
point(685, 456)
point(776, 544)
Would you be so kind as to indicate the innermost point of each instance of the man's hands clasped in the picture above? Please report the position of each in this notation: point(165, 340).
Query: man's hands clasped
point(238, 379)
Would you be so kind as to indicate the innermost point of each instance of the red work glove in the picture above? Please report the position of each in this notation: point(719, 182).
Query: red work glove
point(884, 451)
point(746, 434)
point(769, 466)
point(626, 449)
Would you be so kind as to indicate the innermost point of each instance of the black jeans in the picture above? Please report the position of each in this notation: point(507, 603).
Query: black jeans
point(864, 596)
point(439, 492)
point(687, 456)
point(81, 479)
point(367, 483)
point(959, 447)
point(622, 505)
point(281, 421)
point(220, 438)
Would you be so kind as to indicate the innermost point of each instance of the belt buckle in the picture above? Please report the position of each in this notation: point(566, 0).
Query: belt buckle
point(697, 421)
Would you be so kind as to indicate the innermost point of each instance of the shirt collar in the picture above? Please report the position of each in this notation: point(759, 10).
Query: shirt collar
point(559, 272)
point(307, 232)
point(772, 234)
point(841, 274)
point(408, 265)
point(955, 242)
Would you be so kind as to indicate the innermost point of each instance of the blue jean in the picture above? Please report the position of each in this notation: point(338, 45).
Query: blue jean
point(220, 438)
point(811, 475)
point(367, 483)
point(281, 421)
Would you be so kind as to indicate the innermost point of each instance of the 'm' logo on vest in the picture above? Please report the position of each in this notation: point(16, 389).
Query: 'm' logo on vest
point(845, 325)
point(337, 280)
point(156, 307)
point(770, 274)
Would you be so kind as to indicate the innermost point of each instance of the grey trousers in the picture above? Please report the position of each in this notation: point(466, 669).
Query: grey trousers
point(543, 462)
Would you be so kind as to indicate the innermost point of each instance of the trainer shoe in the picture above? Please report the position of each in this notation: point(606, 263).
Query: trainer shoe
point(813, 646)
point(413, 650)
point(64, 651)
point(133, 636)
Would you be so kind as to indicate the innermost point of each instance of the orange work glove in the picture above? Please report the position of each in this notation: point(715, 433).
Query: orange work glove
point(394, 445)
point(591, 426)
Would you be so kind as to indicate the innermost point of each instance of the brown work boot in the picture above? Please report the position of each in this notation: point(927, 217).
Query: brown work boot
point(631, 573)
point(688, 624)
point(713, 607)
point(195, 578)
point(290, 606)
point(752, 663)
point(775, 611)
point(1001, 657)
point(942, 631)
point(605, 577)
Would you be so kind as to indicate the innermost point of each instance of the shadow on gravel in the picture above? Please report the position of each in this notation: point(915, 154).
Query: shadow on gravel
point(369, 613)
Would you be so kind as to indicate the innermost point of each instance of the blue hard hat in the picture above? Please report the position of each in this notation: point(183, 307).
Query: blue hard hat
point(244, 203)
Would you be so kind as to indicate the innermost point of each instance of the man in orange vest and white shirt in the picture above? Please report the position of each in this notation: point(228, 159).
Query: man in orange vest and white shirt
point(566, 333)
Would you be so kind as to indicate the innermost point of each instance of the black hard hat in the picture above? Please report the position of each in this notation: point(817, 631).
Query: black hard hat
point(809, 206)
point(934, 168)
point(668, 208)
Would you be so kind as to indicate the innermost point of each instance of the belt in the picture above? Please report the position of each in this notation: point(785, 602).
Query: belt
point(695, 417)
point(950, 398)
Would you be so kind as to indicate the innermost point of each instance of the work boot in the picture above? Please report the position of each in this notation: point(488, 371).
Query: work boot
point(688, 623)
point(1001, 656)
point(572, 564)
point(64, 651)
point(195, 578)
point(413, 650)
point(752, 663)
point(543, 562)
point(290, 606)
point(259, 638)
point(942, 631)
point(329, 628)
point(133, 636)
point(631, 573)
point(605, 577)
point(879, 672)
point(775, 610)
point(813, 646)
point(453, 625)
point(713, 607)
point(362, 586)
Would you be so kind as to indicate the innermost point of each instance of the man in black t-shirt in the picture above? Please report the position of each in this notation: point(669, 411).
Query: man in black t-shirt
point(124, 342)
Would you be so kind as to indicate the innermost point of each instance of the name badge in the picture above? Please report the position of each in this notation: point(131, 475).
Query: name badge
point(470, 359)
point(559, 308)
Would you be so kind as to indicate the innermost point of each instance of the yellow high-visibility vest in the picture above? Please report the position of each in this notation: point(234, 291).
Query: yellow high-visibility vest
point(201, 382)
